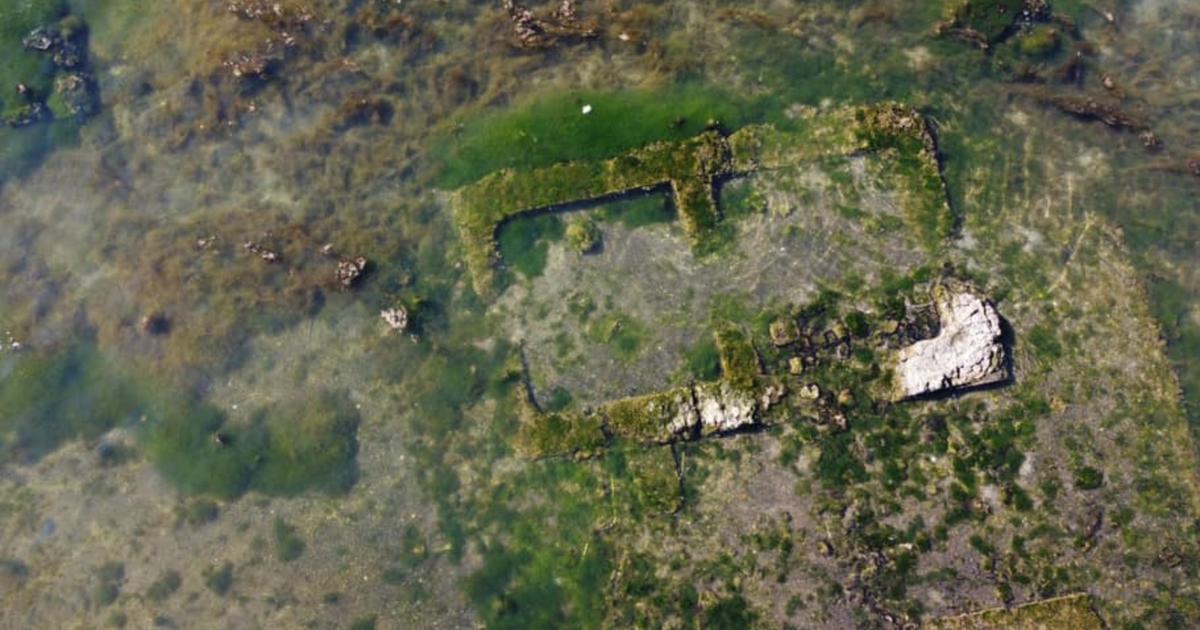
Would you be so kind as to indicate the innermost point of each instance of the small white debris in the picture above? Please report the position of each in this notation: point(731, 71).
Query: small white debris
point(587, 109)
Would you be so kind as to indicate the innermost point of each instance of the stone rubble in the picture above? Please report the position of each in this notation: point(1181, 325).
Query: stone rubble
point(723, 407)
point(966, 353)
point(395, 318)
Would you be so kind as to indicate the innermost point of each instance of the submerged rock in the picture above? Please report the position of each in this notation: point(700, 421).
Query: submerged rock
point(966, 353)
point(723, 407)
point(74, 96)
point(395, 318)
point(349, 270)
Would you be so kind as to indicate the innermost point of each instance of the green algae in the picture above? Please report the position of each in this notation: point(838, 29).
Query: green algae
point(988, 19)
point(24, 147)
point(544, 129)
point(48, 399)
point(18, 65)
point(77, 394)
point(288, 544)
point(311, 445)
point(508, 605)
point(524, 242)
point(1043, 41)
point(583, 236)
point(703, 360)
point(218, 579)
point(622, 333)
point(308, 444)
point(637, 211)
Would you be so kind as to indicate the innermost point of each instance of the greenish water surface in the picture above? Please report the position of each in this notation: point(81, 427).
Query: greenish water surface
point(205, 423)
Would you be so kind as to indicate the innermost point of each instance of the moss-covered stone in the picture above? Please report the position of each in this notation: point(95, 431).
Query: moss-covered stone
point(739, 361)
point(583, 235)
point(659, 417)
point(1042, 41)
point(1070, 611)
point(984, 20)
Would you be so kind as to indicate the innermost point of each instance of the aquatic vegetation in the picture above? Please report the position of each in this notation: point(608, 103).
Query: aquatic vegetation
point(583, 236)
point(198, 511)
point(288, 545)
point(47, 399)
point(885, 503)
point(108, 579)
point(19, 66)
point(311, 445)
point(622, 333)
point(1042, 41)
point(633, 211)
point(524, 242)
point(46, 87)
point(164, 586)
point(984, 20)
point(303, 445)
point(703, 360)
point(218, 579)
point(545, 129)
point(307, 444)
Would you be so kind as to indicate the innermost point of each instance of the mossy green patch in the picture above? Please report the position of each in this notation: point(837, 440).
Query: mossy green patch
point(17, 64)
point(638, 210)
point(622, 333)
point(692, 167)
point(583, 235)
point(306, 444)
point(990, 19)
point(311, 444)
point(524, 242)
point(288, 545)
point(655, 480)
point(739, 361)
point(650, 418)
point(561, 433)
point(547, 128)
point(1042, 41)
point(47, 399)
point(703, 360)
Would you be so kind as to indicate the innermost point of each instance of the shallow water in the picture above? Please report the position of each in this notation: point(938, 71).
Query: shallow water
point(205, 423)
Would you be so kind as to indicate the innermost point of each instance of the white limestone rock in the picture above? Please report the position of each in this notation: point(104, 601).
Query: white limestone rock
point(966, 353)
point(723, 407)
point(686, 416)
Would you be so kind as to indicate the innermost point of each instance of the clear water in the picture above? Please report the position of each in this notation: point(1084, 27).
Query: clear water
point(193, 434)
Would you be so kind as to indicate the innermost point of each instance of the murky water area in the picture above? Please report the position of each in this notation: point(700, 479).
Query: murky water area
point(249, 377)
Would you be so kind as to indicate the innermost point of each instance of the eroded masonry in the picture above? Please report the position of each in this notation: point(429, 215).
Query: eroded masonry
point(762, 380)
